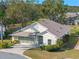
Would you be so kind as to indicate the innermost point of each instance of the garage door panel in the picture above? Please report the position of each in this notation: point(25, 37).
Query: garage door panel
point(27, 41)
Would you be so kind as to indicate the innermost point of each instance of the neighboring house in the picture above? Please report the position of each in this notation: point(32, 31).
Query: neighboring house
point(72, 18)
point(44, 32)
point(2, 29)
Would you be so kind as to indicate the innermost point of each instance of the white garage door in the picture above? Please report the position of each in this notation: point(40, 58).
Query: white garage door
point(26, 41)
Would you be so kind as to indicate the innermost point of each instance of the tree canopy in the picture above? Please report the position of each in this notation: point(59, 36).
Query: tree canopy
point(19, 10)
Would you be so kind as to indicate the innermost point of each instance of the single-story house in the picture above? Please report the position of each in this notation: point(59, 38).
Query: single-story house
point(43, 32)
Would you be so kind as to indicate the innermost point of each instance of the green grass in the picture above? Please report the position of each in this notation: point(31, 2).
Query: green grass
point(38, 54)
point(6, 41)
point(5, 44)
point(74, 29)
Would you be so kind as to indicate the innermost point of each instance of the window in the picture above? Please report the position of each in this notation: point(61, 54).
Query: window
point(49, 42)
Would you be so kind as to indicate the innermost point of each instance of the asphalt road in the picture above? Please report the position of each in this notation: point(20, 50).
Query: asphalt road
point(4, 55)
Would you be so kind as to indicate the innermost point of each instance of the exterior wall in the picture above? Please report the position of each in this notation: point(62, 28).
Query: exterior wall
point(50, 36)
point(14, 38)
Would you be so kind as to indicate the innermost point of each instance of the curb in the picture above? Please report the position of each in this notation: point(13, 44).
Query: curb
point(27, 57)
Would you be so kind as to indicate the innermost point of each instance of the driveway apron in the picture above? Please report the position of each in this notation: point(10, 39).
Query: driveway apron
point(4, 55)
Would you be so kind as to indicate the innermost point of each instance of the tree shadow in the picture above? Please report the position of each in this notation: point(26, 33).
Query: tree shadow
point(70, 46)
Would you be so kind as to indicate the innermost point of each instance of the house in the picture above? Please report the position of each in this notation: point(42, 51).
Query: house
point(72, 18)
point(43, 32)
point(2, 30)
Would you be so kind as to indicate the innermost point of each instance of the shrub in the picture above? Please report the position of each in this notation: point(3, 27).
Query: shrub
point(15, 41)
point(7, 44)
point(42, 47)
point(52, 48)
point(0, 46)
point(59, 42)
point(55, 47)
point(10, 44)
point(66, 38)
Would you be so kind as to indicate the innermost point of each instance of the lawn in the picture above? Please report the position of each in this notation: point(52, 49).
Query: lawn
point(38, 54)
point(74, 29)
point(7, 41)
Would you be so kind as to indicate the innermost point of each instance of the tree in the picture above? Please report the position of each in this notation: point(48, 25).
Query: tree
point(60, 9)
point(22, 11)
point(48, 7)
point(2, 15)
point(54, 9)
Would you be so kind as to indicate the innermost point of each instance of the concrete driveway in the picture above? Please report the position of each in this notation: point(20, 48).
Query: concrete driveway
point(4, 55)
point(14, 53)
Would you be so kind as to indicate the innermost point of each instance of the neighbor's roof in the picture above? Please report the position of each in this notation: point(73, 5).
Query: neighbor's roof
point(55, 28)
point(71, 14)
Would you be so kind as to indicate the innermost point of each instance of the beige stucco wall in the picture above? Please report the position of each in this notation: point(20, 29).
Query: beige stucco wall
point(50, 36)
point(14, 38)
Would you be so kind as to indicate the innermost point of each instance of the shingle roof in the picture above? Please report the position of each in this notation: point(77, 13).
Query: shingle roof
point(71, 14)
point(23, 34)
point(55, 28)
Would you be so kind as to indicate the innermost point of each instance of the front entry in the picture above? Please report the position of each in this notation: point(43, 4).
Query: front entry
point(40, 40)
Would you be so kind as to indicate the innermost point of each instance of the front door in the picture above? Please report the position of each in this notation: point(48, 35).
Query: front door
point(40, 40)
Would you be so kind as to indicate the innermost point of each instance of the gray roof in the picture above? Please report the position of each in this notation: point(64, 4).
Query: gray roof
point(55, 28)
point(72, 14)
point(22, 34)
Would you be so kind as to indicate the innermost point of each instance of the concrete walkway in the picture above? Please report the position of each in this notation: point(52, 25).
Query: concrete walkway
point(17, 49)
point(77, 45)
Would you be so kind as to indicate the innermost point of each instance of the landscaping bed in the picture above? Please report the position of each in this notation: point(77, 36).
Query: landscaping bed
point(7, 43)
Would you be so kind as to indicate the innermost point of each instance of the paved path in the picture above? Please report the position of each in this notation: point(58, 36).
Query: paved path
point(16, 51)
point(4, 55)
point(77, 45)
